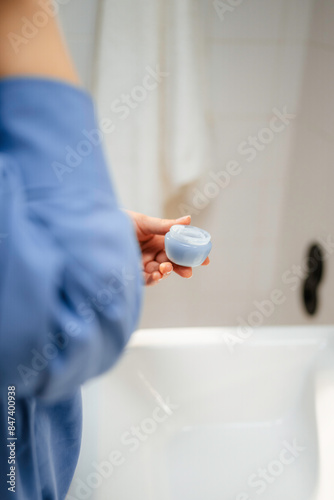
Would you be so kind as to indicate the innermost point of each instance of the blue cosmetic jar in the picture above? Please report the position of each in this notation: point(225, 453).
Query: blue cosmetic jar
point(187, 245)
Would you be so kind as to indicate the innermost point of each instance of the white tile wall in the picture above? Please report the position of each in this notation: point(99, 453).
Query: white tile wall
point(298, 15)
point(308, 217)
point(322, 26)
point(289, 78)
point(230, 134)
point(257, 60)
point(309, 206)
point(318, 106)
point(255, 20)
point(242, 78)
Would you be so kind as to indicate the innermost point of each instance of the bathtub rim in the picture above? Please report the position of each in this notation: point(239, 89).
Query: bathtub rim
point(282, 335)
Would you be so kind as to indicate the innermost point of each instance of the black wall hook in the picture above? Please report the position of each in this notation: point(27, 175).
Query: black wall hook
point(315, 271)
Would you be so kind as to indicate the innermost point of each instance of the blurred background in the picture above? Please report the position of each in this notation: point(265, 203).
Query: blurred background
point(222, 110)
point(192, 86)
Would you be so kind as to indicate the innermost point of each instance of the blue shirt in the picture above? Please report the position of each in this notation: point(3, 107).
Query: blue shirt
point(70, 279)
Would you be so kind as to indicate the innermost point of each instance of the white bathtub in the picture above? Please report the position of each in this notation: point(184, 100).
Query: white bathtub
point(185, 417)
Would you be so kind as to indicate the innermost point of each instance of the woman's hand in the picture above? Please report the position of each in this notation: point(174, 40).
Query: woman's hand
point(150, 233)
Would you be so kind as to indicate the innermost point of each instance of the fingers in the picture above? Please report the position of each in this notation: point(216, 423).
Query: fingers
point(163, 268)
point(160, 268)
point(154, 225)
point(184, 272)
point(166, 268)
point(155, 272)
point(161, 257)
point(152, 279)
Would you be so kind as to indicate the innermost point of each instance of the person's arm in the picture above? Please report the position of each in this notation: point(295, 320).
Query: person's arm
point(70, 276)
point(27, 52)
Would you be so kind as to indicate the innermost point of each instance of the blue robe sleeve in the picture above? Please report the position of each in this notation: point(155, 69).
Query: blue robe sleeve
point(70, 277)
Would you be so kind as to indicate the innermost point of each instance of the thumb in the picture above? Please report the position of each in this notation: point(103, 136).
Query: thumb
point(154, 225)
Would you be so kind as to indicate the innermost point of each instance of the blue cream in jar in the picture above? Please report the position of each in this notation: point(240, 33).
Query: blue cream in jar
point(187, 245)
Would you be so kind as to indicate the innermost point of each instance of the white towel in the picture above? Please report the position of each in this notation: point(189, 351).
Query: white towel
point(160, 142)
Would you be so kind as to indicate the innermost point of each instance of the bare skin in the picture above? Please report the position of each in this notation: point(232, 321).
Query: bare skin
point(45, 55)
point(151, 237)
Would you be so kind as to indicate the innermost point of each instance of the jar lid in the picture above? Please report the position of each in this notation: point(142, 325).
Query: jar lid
point(190, 235)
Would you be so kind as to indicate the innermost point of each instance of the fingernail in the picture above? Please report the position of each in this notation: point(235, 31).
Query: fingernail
point(184, 217)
